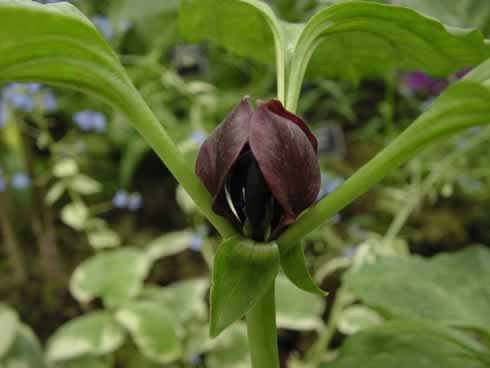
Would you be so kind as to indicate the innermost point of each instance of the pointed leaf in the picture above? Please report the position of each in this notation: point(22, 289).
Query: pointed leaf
point(293, 264)
point(168, 245)
point(93, 334)
point(153, 328)
point(116, 276)
point(243, 272)
point(451, 288)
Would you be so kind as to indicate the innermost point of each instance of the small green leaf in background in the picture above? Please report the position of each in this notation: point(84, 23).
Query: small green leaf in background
point(355, 318)
point(85, 185)
point(65, 168)
point(153, 328)
point(84, 362)
point(450, 288)
point(405, 344)
point(25, 352)
point(243, 272)
point(93, 334)
point(75, 215)
point(104, 238)
point(296, 309)
point(230, 349)
point(9, 323)
point(184, 298)
point(116, 276)
point(55, 193)
point(168, 245)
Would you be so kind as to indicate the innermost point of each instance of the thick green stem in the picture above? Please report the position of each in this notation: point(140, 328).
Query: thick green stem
point(262, 332)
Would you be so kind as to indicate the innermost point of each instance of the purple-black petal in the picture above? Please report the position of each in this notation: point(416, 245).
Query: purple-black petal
point(220, 151)
point(287, 159)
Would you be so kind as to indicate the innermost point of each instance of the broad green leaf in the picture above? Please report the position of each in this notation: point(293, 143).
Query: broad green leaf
point(153, 328)
point(243, 272)
point(168, 245)
point(93, 334)
point(296, 309)
point(184, 298)
point(58, 44)
point(407, 345)
point(356, 318)
point(116, 276)
point(293, 264)
point(9, 323)
point(75, 215)
point(231, 349)
point(462, 13)
point(104, 238)
point(25, 352)
point(451, 288)
point(242, 26)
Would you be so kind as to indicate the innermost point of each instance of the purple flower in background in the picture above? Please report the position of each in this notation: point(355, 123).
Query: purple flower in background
point(120, 199)
point(135, 202)
point(20, 181)
point(90, 121)
point(104, 25)
point(421, 82)
point(196, 242)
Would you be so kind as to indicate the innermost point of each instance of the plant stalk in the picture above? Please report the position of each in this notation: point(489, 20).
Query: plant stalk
point(262, 332)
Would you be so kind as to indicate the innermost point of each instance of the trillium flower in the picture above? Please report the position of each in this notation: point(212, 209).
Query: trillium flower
point(261, 168)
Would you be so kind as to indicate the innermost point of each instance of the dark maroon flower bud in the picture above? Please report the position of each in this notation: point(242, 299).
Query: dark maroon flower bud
point(261, 168)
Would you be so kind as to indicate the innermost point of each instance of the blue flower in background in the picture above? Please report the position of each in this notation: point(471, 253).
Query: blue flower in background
point(90, 121)
point(49, 101)
point(19, 96)
point(120, 199)
point(135, 202)
point(20, 181)
point(104, 25)
point(3, 183)
point(196, 242)
point(198, 136)
point(349, 252)
point(329, 184)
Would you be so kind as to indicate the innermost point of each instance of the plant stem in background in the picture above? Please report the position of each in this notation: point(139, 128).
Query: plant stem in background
point(262, 332)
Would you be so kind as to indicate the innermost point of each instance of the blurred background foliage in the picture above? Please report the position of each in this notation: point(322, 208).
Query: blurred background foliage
point(104, 261)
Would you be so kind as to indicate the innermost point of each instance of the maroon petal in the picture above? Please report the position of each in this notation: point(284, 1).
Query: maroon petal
point(276, 107)
point(220, 151)
point(287, 160)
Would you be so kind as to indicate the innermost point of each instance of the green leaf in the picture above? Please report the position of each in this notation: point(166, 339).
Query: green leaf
point(9, 322)
point(242, 26)
point(93, 334)
point(168, 245)
point(75, 215)
point(297, 310)
point(55, 193)
point(406, 345)
point(25, 352)
point(230, 349)
point(84, 362)
point(243, 272)
point(293, 264)
point(104, 238)
point(451, 288)
point(463, 13)
point(153, 328)
point(65, 168)
point(116, 276)
point(57, 44)
point(85, 185)
point(355, 318)
point(184, 298)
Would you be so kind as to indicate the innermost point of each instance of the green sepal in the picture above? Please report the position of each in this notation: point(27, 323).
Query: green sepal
point(243, 272)
point(294, 266)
